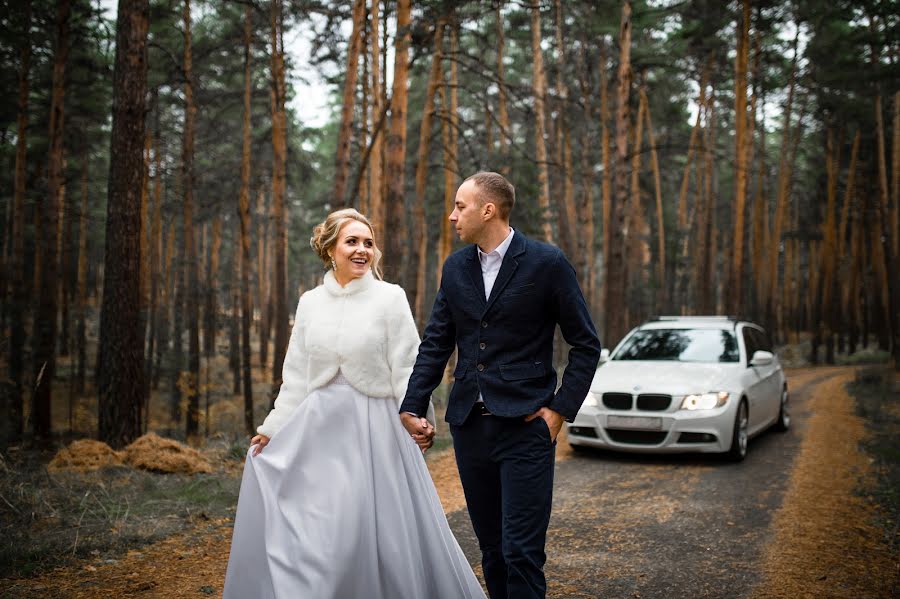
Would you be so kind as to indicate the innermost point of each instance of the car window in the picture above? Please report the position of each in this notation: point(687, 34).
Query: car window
point(683, 345)
point(749, 342)
point(762, 340)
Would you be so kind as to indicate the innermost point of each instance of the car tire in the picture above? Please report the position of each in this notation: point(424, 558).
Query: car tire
point(740, 438)
point(784, 413)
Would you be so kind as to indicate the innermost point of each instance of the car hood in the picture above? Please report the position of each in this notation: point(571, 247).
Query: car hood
point(671, 378)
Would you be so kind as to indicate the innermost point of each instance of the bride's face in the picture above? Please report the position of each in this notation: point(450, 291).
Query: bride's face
point(354, 251)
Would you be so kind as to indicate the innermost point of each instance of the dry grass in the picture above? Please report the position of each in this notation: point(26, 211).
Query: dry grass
point(84, 455)
point(824, 543)
point(156, 454)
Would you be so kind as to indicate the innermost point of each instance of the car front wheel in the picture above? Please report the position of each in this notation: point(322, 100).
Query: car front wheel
point(784, 414)
point(741, 434)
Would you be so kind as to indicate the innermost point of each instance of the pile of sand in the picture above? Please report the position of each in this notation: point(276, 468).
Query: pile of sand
point(155, 453)
point(84, 455)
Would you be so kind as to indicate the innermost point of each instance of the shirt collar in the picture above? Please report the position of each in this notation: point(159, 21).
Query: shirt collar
point(501, 249)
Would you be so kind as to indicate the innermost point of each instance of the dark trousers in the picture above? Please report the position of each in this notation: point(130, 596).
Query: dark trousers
point(506, 468)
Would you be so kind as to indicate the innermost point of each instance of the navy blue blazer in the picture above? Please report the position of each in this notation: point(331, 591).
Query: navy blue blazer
point(506, 343)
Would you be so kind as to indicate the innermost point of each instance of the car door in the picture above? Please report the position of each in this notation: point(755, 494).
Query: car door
point(771, 383)
point(753, 382)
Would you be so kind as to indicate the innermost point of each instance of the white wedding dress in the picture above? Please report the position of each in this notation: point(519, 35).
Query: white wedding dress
point(340, 505)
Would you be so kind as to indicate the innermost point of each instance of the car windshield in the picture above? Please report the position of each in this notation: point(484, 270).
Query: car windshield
point(682, 345)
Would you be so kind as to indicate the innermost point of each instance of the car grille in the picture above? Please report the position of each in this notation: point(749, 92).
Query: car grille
point(654, 403)
point(617, 401)
point(636, 437)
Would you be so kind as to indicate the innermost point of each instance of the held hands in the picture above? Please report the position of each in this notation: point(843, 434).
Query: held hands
point(419, 429)
point(553, 419)
point(259, 441)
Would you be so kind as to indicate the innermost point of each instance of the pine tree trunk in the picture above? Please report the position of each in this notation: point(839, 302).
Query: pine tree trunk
point(342, 158)
point(19, 304)
point(735, 290)
point(121, 384)
point(886, 266)
point(662, 298)
point(156, 251)
point(568, 219)
point(586, 246)
point(502, 110)
point(895, 183)
point(606, 180)
point(539, 89)
point(376, 163)
point(615, 303)
point(420, 241)
point(396, 151)
point(44, 343)
point(212, 289)
point(244, 213)
point(81, 283)
point(65, 272)
point(780, 201)
point(281, 320)
point(191, 377)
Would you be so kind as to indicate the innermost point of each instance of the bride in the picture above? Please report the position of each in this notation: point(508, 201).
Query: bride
point(336, 501)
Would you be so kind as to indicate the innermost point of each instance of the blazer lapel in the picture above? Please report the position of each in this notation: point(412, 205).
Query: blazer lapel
point(473, 267)
point(507, 268)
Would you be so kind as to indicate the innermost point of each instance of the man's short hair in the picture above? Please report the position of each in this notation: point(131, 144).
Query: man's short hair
point(494, 188)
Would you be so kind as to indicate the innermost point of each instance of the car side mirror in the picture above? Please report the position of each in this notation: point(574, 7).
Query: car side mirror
point(762, 358)
point(604, 355)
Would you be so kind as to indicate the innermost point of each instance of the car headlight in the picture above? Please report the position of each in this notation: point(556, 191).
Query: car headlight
point(590, 401)
point(704, 401)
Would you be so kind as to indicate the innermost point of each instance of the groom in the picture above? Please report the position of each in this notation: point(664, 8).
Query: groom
point(499, 302)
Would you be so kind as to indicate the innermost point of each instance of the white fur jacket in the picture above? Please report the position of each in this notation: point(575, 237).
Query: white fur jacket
point(365, 329)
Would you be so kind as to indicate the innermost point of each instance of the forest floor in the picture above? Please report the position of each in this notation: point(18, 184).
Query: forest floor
point(126, 532)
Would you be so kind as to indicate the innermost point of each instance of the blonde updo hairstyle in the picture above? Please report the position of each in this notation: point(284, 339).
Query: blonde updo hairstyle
point(325, 236)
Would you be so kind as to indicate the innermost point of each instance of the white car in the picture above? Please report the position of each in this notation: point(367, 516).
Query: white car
point(684, 384)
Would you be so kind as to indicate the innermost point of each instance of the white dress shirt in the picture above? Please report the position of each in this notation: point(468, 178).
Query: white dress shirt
point(490, 267)
point(490, 263)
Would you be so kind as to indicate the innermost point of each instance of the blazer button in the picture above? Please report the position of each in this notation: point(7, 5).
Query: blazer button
point(484, 324)
point(482, 345)
point(480, 367)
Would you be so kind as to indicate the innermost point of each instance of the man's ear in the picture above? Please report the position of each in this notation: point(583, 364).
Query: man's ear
point(489, 210)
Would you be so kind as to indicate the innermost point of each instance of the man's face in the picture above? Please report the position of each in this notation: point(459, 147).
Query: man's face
point(468, 213)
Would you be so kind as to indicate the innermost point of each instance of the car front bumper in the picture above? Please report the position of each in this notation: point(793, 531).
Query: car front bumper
point(702, 431)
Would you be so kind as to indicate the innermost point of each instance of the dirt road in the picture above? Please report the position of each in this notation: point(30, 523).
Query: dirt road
point(631, 526)
point(627, 525)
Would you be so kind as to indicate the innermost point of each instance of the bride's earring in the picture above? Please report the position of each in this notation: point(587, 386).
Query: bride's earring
point(333, 264)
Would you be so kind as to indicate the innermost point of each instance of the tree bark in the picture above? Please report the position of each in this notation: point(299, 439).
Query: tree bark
point(81, 283)
point(502, 110)
point(281, 319)
point(121, 384)
point(342, 158)
point(244, 213)
point(615, 303)
point(586, 248)
point(190, 380)
point(735, 290)
point(662, 298)
point(376, 163)
point(19, 303)
point(396, 150)
point(44, 343)
point(606, 180)
point(780, 198)
point(539, 88)
point(420, 242)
